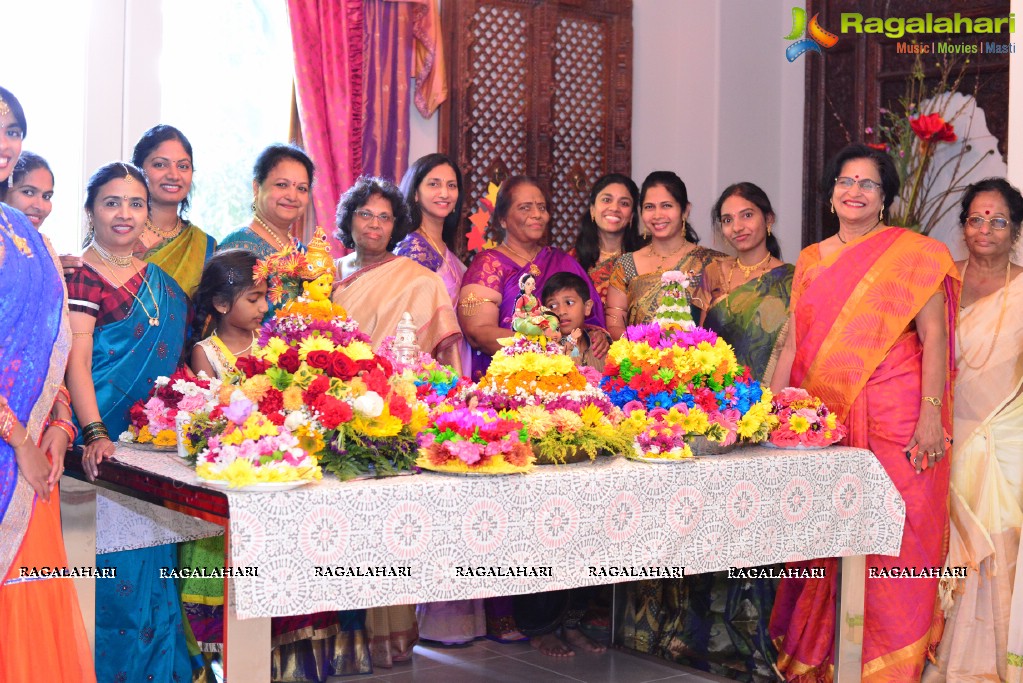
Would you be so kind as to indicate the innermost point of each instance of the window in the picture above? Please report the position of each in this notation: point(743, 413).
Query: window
point(225, 70)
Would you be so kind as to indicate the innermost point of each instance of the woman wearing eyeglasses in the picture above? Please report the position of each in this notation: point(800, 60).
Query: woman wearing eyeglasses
point(984, 629)
point(869, 333)
point(376, 286)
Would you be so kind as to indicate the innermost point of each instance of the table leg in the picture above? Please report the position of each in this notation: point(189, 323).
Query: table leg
point(852, 576)
point(78, 524)
point(246, 641)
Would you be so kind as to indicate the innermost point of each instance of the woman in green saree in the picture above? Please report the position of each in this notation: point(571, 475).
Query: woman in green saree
point(170, 241)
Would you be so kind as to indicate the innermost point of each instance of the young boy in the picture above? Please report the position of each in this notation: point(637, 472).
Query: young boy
point(568, 296)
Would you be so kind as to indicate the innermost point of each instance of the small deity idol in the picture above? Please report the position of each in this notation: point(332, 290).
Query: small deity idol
point(530, 317)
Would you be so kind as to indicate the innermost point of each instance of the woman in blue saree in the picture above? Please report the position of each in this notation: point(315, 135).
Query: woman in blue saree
point(42, 636)
point(128, 324)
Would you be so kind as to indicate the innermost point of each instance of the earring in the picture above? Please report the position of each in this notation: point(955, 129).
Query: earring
point(832, 206)
point(768, 229)
point(880, 216)
point(253, 206)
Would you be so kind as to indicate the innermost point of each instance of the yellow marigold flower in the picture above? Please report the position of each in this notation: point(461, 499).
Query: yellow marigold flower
point(420, 418)
point(798, 424)
point(273, 349)
point(255, 388)
point(832, 421)
point(383, 425)
point(592, 415)
point(293, 398)
point(696, 422)
point(165, 438)
point(358, 350)
point(314, 344)
point(145, 436)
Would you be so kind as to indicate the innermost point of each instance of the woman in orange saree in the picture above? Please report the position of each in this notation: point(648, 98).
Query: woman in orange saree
point(871, 312)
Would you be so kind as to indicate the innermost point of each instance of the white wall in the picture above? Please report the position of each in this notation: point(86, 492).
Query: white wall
point(715, 100)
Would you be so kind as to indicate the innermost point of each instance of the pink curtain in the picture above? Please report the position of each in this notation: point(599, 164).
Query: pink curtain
point(329, 41)
point(403, 40)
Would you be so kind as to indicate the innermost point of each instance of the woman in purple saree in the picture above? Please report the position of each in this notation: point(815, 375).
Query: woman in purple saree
point(491, 285)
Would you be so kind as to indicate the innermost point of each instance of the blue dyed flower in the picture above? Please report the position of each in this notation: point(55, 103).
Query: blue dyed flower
point(661, 399)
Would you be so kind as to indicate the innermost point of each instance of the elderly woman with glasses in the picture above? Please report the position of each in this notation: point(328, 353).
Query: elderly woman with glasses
point(983, 639)
point(872, 309)
point(376, 286)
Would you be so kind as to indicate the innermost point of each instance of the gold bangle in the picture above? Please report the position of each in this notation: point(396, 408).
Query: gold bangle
point(933, 400)
point(25, 440)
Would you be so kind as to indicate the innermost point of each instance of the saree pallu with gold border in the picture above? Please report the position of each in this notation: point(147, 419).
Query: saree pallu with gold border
point(983, 638)
point(858, 350)
point(183, 257)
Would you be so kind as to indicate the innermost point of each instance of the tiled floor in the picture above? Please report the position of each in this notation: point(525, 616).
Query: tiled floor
point(486, 662)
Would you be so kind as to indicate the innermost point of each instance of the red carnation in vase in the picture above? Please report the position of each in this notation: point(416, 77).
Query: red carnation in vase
point(376, 381)
point(289, 360)
point(933, 128)
point(318, 359)
point(399, 408)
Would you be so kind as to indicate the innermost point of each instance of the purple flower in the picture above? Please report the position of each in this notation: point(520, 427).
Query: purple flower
point(239, 410)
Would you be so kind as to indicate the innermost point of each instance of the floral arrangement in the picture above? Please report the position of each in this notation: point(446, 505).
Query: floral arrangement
point(533, 381)
point(661, 434)
point(474, 440)
point(152, 419)
point(803, 420)
point(922, 121)
point(477, 239)
point(251, 449)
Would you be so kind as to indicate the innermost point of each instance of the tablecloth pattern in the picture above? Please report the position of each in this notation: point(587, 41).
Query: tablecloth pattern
point(752, 507)
point(126, 523)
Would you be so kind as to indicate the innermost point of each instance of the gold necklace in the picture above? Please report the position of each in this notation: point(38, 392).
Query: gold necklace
point(533, 268)
point(236, 354)
point(281, 246)
point(998, 327)
point(154, 320)
point(440, 251)
point(748, 270)
point(111, 258)
point(20, 243)
point(660, 268)
point(605, 255)
point(164, 234)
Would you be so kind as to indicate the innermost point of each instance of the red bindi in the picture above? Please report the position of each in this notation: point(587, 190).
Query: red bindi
point(855, 176)
point(987, 213)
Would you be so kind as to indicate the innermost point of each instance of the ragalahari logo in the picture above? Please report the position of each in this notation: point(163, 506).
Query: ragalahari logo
point(816, 37)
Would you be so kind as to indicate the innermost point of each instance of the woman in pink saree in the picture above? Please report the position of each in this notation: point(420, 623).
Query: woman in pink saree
point(432, 187)
point(872, 307)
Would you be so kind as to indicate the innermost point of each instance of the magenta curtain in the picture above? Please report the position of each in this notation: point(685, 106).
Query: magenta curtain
point(329, 42)
point(402, 40)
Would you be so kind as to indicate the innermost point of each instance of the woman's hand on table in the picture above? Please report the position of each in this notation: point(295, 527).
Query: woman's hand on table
point(94, 454)
point(55, 445)
point(33, 466)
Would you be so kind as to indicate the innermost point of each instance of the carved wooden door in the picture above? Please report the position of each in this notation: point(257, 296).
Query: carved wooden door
point(848, 85)
point(541, 88)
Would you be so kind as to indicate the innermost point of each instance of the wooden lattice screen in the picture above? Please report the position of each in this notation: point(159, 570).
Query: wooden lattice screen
point(542, 88)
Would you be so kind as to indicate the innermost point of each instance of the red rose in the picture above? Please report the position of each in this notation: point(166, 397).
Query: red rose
point(341, 366)
point(318, 359)
point(400, 409)
point(251, 366)
point(289, 360)
point(272, 403)
point(385, 365)
point(933, 128)
point(333, 412)
point(366, 364)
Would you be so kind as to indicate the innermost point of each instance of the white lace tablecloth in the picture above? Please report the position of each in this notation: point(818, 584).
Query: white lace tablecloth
point(126, 523)
point(752, 507)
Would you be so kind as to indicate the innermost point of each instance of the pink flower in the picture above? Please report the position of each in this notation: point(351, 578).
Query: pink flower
point(192, 404)
point(631, 406)
point(791, 394)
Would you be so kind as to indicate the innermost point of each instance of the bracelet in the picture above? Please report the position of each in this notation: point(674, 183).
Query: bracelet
point(23, 441)
point(63, 396)
point(66, 427)
point(933, 400)
point(94, 431)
